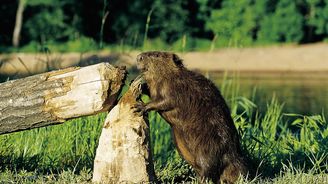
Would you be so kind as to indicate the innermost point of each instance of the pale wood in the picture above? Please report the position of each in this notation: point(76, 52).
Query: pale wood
point(123, 154)
point(54, 97)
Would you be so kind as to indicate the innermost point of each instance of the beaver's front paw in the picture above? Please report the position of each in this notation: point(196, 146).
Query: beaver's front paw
point(139, 107)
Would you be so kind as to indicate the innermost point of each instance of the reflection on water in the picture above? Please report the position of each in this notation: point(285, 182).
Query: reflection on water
point(301, 92)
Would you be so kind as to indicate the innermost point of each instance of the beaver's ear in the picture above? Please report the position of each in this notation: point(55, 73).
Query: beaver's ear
point(177, 60)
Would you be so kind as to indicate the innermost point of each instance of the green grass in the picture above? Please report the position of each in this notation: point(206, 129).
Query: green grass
point(51, 149)
point(85, 44)
point(284, 148)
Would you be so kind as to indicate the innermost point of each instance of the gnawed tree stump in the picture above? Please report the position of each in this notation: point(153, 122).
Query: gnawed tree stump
point(56, 96)
point(123, 154)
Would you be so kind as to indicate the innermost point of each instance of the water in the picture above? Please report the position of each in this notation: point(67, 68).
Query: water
point(303, 93)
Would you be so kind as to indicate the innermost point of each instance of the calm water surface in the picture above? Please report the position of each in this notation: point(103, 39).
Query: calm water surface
point(301, 92)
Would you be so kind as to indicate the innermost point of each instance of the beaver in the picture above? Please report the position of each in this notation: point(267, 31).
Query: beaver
point(203, 130)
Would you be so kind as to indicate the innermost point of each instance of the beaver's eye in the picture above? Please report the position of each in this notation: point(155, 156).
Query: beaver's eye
point(156, 55)
point(140, 57)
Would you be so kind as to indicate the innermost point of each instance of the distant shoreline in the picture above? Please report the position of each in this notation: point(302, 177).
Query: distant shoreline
point(270, 75)
point(300, 58)
point(310, 58)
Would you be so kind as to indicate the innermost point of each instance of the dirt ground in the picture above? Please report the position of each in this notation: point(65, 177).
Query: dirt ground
point(309, 58)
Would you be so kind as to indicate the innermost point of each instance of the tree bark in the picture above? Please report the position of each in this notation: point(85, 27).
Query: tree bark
point(54, 97)
point(123, 154)
point(19, 23)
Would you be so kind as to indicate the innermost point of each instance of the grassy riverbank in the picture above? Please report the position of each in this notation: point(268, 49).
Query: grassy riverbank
point(283, 147)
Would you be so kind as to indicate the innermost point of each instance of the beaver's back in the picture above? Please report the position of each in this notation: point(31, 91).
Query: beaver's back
point(198, 108)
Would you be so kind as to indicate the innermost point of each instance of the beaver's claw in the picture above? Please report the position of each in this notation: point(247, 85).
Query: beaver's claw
point(139, 107)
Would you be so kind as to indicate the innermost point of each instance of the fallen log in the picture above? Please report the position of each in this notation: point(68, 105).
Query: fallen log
point(123, 154)
point(53, 97)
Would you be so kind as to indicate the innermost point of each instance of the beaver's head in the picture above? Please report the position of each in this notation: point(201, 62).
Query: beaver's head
point(158, 62)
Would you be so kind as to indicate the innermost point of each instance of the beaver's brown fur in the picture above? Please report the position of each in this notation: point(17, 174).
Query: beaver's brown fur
point(203, 129)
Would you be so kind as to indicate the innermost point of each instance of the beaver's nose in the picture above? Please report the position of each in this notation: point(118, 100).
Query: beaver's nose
point(140, 57)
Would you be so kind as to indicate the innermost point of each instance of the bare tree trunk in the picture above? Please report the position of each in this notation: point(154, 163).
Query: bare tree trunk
point(123, 154)
point(54, 97)
point(19, 22)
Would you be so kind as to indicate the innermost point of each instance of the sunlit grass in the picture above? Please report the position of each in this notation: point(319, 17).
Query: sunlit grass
point(282, 147)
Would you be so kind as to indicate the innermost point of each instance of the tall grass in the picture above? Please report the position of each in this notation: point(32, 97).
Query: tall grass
point(278, 144)
point(103, 20)
point(50, 149)
point(147, 27)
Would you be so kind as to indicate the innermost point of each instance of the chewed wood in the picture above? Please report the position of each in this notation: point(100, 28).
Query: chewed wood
point(54, 97)
point(123, 154)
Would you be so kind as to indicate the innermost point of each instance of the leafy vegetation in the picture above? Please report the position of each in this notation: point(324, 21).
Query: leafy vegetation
point(282, 147)
point(283, 25)
point(223, 23)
